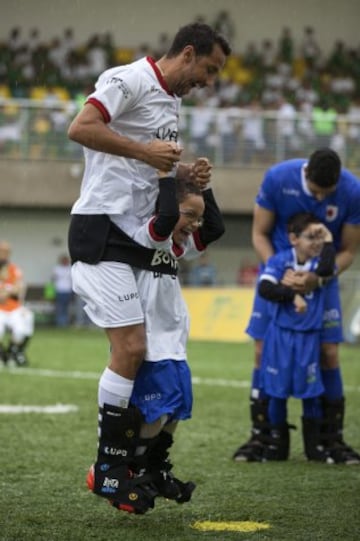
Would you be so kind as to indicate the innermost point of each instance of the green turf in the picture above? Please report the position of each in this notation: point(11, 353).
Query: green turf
point(44, 457)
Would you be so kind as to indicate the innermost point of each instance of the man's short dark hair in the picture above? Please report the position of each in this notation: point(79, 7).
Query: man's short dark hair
point(324, 167)
point(201, 36)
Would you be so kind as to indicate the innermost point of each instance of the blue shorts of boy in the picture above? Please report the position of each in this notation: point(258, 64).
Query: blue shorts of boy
point(332, 326)
point(290, 363)
point(163, 388)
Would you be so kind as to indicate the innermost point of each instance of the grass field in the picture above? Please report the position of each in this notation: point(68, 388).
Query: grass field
point(44, 457)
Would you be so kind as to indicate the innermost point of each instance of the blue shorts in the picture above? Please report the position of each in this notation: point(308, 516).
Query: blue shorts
point(290, 364)
point(163, 388)
point(332, 322)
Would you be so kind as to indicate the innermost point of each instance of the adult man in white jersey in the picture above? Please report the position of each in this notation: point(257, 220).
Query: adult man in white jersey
point(128, 127)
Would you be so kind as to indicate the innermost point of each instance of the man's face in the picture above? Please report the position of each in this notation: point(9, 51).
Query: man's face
point(197, 71)
point(316, 191)
point(319, 192)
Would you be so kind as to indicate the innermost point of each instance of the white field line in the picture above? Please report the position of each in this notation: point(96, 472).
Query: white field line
point(211, 382)
point(20, 408)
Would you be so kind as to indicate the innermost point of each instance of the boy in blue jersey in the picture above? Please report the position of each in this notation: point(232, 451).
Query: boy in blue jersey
point(320, 186)
point(290, 363)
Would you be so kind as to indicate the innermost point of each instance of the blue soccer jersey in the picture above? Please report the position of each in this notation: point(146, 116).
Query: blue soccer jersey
point(284, 191)
point(283, 313)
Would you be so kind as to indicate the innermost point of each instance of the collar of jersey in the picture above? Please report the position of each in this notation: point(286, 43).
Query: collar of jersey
point(158, 75)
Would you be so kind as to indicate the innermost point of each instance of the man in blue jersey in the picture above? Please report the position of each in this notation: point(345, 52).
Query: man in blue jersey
point(320, 186)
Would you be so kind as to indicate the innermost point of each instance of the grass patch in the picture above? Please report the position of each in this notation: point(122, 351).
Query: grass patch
point(44, 457)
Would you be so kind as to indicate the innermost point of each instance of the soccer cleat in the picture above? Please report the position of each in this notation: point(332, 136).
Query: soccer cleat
point(159, 467)
point(134, 498)
point(341, 453)
point(278, 445)
point(16, 355)
point(332, 433)
point(314, 447)
point(253, 450)
point(112, 476)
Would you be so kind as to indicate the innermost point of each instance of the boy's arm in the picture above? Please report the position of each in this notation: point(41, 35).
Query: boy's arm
point(326, 265)
point(168, 209)
point(275, 292)
point(213, 227)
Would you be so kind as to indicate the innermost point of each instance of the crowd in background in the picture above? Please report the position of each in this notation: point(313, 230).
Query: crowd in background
point(267, 70)
point(310, 91)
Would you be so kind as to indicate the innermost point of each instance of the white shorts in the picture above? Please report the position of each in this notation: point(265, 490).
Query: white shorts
point(110, 293)
point(20, 322)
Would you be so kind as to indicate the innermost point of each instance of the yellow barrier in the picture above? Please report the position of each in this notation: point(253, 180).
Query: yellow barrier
point(219, 314)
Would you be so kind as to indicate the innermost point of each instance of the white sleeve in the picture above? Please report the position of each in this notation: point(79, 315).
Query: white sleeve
point(118, 90)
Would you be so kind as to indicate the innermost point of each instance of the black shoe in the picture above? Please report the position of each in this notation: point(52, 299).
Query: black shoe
point(251, 451)
point(341, 453)
point(171, 488)
point(137, 495)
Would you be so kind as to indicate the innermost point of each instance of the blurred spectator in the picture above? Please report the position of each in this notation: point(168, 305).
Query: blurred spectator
point(81, 319)
point(307, 92)
point(354, 119)
point(267, 55)
point(224, 24)
point(203, 273)
point(10, 129)
point(228, 126)
point(253, 132)
point(96, 56)
point(247, 274)
point(15, 318)
point(286, 47)
point(61, 277)
point(201, 118)
point(310, 49)
point(252, 57)
point(285, 125)
point(324, 123)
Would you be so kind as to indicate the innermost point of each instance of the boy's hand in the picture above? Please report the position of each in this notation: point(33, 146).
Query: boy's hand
point(300, 304)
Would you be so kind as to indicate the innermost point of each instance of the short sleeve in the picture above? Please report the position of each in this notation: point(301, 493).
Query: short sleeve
point(266, 194)
point(116, 91)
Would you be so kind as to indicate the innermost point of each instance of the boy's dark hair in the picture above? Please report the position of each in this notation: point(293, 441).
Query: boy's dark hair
point(300, 221)
point(201, 36)
point(186, 187)
point(183, 188)
point(324, 167)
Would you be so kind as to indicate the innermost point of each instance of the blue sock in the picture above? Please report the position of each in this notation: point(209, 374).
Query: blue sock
point(312, 408)
point(256, 391)
point(277, 411)
point(332, 383)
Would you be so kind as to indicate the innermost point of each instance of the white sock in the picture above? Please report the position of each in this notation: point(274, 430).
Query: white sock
point(114, 389)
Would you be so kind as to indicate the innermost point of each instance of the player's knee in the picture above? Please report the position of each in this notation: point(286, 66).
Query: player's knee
point(133, 349)
point(329, 357)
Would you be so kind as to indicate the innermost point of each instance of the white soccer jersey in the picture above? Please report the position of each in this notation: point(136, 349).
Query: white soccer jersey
point(165, 311)
point(135, 102)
